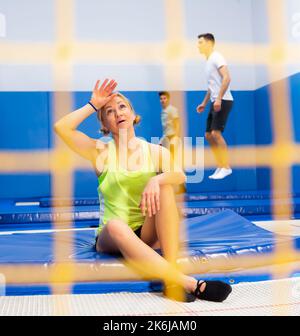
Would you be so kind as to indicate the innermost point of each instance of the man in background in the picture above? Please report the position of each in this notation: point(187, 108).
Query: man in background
point(169, 119)
point(171, 130)
point(219, 94)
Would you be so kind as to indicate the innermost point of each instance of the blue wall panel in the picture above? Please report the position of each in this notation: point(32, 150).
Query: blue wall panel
point(24, 126)
point(296, 179)
point(16, 186)
point(85, 184)
point(295, 103)
point(264, 177)
point(240, 130)
point(30, 127)
point(240, 127)
point(24, 120)
point(241, 179)
point(262, 115)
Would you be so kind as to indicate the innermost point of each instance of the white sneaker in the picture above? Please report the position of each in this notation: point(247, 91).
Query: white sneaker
point(215, 173)
point(224, 172)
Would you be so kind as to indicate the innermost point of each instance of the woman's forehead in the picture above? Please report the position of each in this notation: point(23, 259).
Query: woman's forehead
point(114, 101)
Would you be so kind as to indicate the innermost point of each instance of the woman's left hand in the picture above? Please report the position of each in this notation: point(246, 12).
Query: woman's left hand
point(150, 197)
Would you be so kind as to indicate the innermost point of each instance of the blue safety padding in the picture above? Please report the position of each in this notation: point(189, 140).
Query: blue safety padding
point(132, 286)
point(226, 232)
point(222, 234)
point(111, 287)
point(30, 289)
point(81, 288)
point(237, 195)
point(48, 202)
point(242, 207)
point(135, 287)
point(47, 226)
point(9, 213)
point(189, 197)
point(233, 279)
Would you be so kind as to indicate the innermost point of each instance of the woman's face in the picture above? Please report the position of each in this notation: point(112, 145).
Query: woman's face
point(117, 114)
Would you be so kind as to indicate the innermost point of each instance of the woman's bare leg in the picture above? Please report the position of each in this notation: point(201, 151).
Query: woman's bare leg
point(167, 223)
point(118, 236)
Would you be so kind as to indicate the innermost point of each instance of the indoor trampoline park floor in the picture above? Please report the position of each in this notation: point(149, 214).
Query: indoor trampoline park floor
point(28, 239)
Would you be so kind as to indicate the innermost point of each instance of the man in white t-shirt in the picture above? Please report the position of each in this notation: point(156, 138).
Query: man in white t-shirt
point(219, 94)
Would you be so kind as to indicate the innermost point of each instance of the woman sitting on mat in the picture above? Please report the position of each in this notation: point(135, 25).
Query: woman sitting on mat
point(140, 212)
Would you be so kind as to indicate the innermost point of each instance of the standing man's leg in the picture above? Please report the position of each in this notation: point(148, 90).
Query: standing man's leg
point(213, 144)
point(221, 149)
point(218, 123)
point(214, 147)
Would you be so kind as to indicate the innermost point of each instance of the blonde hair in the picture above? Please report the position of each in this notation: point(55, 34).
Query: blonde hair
point(136, 121)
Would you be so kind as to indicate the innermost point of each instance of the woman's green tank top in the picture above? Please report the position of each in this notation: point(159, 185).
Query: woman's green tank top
point(120, 190)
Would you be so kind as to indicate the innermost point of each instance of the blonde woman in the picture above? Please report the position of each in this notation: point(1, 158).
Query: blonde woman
point(136, 194)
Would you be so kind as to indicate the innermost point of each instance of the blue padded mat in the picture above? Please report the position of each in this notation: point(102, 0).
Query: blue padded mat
point(189, 197)
point(220, 234)
point(11, 214)
point(223, 232)
point(242, 207)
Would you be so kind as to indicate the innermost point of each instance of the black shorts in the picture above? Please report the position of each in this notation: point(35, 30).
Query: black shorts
point(138, 231)
point(216, 121)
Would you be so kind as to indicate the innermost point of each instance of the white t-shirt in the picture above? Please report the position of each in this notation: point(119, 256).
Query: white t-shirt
point(167, 119)
point(214, 79)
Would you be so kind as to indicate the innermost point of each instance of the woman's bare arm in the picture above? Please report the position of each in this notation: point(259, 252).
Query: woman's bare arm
point(66, 127)
point(169, 172)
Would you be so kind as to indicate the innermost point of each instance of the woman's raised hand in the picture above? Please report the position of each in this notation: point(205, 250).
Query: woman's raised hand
point(103, 94)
